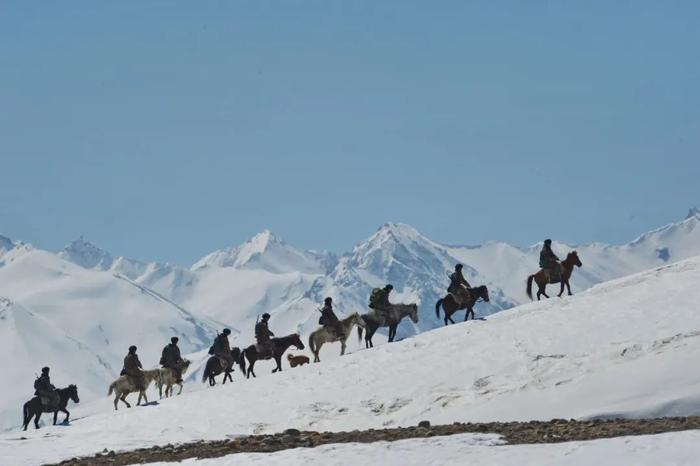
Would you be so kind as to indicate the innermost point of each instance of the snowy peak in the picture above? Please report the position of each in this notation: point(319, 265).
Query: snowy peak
point(693, 212)
point(87, 255)
point(265, 251)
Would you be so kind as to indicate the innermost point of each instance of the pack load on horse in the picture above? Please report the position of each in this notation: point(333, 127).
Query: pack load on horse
point(385, 314)
point(133, 369)
point(451, 304)
point(329, 320)
point(379, 300)
point(46, 391)
point(267, 347)
point(552, 271)
point(171, 359)
point(48, 399)
point(326, 334)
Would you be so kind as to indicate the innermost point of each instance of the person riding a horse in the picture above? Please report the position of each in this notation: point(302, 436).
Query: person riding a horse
point(171, 359)
point(45, 390)
point(329, 320)
point(458, 284)
point(222, 348)
point(263, 335)
point(379, 301)
point(133, 369)
point(549, 261)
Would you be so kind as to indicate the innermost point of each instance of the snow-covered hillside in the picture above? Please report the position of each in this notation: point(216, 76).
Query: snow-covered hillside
point(80, 323)
point(622, 348)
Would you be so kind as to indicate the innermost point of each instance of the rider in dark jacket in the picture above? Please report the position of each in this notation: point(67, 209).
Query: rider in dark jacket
point(263, 333)
point(382, 305)
point(222, 348)
point(171, 359)
point(457, 280)
point(548, 260)
point(133, 369)
point(330, 320)
point(45, 390)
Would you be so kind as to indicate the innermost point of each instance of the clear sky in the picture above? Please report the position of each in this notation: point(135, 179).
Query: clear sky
point(165, 130)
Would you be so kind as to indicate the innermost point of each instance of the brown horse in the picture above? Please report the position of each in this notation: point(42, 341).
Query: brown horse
point(541, 278)
point(450, 305)
point(279, 346)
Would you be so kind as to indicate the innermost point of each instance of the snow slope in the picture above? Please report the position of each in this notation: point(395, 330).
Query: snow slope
point(622, 348)
point(80, 323)
point(678, 448)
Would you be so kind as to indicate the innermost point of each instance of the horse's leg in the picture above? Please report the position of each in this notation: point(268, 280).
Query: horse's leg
point(278, 360)
point(123, 398)
point(179, 391)
point(65, 421)
point(568, 286)
point(392, 332)
point(36, 419)
point(317, 351)
point(561, 291)
point(55, 416)
point(342, 347)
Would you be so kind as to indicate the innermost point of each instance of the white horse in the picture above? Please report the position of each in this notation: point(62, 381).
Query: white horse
point(325, 335)
point(124, 385)
point(167, 378)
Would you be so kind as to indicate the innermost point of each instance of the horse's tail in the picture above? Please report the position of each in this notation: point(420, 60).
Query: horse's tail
point(112, 387)
point(311, 343)
point(529, 286)
point(437, 307)
point(241, 361)
point(25, 413)
point(205, 373)
point(359, 334)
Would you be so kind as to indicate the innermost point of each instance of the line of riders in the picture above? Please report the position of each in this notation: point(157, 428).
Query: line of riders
point(379, 301)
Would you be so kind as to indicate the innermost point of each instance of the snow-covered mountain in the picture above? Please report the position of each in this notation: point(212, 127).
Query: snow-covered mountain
point(265, 274)
point(620, 349)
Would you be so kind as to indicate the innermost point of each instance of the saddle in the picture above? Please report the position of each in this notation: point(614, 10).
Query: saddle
point(264, 350)
point(49, 402)
point(553, 274)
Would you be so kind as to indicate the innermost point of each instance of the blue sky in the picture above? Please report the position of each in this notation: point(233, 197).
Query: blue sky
point(165, 130)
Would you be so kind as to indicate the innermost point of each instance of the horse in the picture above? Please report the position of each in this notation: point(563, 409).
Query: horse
point(450, 305)
point(214, 368)
point(168, 379)
point(279, 346)
point(124, 385)
point(34, 407)
point(325, 335)
point(395, 315)
point(541, 278)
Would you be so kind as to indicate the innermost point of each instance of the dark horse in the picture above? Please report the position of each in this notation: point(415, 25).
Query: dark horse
point(34, 407)
point(279, 346)
point(214, 368)
point(541, 278)
point(450, 305)
point(396, 314)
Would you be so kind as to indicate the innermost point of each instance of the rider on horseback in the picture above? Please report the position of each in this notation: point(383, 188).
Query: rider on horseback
point(263, 335)
point(379, 301)
point(549, 262)
point(329, 320)
point(45, 390)
point(458, 284)
point(133, 369)
point(171, 359)
point(222, 348)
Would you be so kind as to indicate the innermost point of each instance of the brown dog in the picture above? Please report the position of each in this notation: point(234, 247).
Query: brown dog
point(295, 361)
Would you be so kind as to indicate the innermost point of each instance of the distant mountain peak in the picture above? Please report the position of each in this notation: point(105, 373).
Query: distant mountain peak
point(87, 255)
point(693, 212)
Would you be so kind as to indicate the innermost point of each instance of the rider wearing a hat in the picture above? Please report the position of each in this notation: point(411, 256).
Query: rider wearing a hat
point(45, 390)
point(548, 260)
point(171, 359)
point(263, 334)
point(133, 369)
point(330, 320)
point(222, 348)
point(457, 280)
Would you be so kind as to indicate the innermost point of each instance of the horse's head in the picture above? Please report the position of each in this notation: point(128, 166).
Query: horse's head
point(185, 365)
point(73, 393)
point(414, 313)
point(483, 293)
point(572, 258)
point(296, 341)
point(358, 320)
